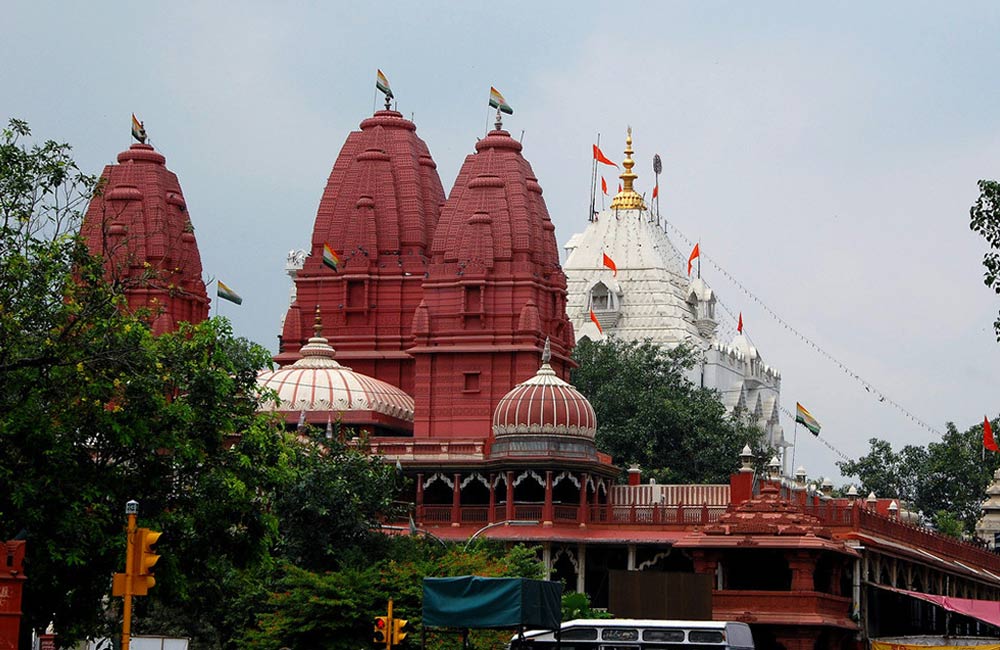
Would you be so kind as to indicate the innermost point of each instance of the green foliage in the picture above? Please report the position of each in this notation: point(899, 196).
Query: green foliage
point(335, 609)
point(948, 524)
point(984, 218)
point(949, 476)
point(577, 605)
point(650, 414)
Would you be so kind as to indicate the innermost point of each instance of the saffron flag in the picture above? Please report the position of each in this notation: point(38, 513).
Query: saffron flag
point(138, 130)
point(224, 292)
point(619, 188)
point(656, 191)
point(694, 253)
point(604, 185)
point(593, 317)
point(383, 84)
point(497, 101)
point(330, 258)
point(601, 158)
point(988, 441)
point(610, 263)
point(804, 417)
point(739, 325)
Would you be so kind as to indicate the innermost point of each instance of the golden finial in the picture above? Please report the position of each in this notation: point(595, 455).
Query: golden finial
point(628, 198)
point(318, 324)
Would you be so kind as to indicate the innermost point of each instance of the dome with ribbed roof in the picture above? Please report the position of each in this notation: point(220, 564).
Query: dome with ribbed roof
point(317, 384)
point(540, 411)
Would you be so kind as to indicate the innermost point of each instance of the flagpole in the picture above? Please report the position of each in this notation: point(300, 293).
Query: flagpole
point(795, 439)
point(593, 183)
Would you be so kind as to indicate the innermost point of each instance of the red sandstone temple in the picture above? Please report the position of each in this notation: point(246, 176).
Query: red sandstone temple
point(442, 333)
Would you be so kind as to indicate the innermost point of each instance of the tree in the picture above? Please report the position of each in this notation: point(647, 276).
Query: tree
point(984, 218)
point(648, 412)
point(946, 480)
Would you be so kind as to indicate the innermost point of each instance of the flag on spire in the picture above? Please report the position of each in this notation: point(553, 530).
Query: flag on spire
point(601, 158)
point(383, 84)
point(330, 258)
point(497, 101)
point(593, 317)
point(739, 325)
point(805, 418)
point(223, 291)
point(619, 188)
point(138, 130)
point(694, 253)
point(610, 263)
point(604, 185)
point(988, 440)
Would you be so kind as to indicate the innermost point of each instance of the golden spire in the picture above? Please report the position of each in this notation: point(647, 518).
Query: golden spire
point(628, 198)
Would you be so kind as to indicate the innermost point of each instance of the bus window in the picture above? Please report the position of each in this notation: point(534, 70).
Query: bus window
point(620, 634)
point(706, 636)
point(580, 634)
point(663, 635)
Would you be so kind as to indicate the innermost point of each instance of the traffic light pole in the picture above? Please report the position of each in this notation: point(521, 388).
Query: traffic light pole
point(388, 632)
point(131, 509)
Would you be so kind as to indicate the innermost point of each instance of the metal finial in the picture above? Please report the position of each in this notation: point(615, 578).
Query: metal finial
point(547, 351)
point(499, 123)
point(628, 198)
point(318, 324)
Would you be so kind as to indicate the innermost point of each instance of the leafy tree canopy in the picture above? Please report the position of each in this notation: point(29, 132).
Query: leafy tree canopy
point(649, 413)
point(984, 218)
point(945, 480)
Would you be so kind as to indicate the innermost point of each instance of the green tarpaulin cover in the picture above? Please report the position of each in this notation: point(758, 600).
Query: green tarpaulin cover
point(474, 602)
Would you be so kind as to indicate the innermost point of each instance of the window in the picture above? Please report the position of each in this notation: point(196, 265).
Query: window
point(471, 383)
point(601, 299)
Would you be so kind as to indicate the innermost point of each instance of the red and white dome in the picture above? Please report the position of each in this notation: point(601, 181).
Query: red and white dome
point(545, 404)
point(317, 383)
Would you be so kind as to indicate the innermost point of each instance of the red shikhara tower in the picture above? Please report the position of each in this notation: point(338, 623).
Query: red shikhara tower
point(494, 292)
point(377, 214)
point(140, 225)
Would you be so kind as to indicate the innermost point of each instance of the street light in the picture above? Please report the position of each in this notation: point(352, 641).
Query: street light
point(505, 522)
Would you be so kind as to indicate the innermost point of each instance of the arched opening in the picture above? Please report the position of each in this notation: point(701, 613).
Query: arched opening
point(602, 299)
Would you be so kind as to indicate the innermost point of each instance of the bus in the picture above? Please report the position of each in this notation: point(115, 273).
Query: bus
point(637, 634)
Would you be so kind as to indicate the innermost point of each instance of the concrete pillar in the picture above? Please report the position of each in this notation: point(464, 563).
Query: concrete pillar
point(547, 509)
point(456, 501)
point(584, 514)
point(509, 510)
point(493, 499)
point(631, 557)
point(547, 559)
point(581, 569)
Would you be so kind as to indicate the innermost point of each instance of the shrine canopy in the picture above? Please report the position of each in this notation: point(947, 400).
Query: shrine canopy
point(476, 602)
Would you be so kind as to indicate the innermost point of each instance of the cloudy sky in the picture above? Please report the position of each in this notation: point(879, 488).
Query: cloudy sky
point(825, 156)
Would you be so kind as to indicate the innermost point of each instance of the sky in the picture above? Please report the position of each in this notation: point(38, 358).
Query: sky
point(825, 155)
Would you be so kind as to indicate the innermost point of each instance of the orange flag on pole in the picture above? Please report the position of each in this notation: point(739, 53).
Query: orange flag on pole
point(593, 317)
point(610, 263)
point(694, 253)
point(739, 325)
point(988, 441)
point(619, 188)
point(656, 191)
point(601, 158)
point(604, 186)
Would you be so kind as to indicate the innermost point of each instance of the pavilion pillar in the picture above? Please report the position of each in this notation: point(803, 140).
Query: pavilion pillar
point(583, 516)
point(581, 569)
point(420, 497)
point(493, 499)
point(547, 559)
point(631, 557)
point(509, 511)
point(547, 509)
point(456, 500)
point(803, 568)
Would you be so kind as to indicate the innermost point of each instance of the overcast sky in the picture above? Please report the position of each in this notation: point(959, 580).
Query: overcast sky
point(825, 156)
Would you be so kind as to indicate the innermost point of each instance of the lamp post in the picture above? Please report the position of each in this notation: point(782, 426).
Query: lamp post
point(505, 522)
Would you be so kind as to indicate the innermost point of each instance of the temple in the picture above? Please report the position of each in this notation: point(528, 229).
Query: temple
point(443, 329)
point(644, 294)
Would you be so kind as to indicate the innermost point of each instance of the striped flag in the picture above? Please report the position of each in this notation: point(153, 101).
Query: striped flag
point(497, 101)
point(138, 130)
point(224, 292)
point(330, 258)
point(805, 418)
point(593, 317)
point(383, 84)
point(610, 263)
point(601, 158)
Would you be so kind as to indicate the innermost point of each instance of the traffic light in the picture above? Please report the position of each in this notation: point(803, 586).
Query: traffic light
point(381, 630)
point(143, 560)
point(399, 630)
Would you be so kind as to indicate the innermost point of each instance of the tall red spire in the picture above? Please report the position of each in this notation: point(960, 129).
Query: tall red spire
point(378, 214)
point(140, 225)
point(494, 293)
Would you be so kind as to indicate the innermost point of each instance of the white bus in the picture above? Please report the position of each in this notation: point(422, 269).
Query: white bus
point(638, 634)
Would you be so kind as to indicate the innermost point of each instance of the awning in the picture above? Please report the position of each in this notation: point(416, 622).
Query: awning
point(987, 611)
